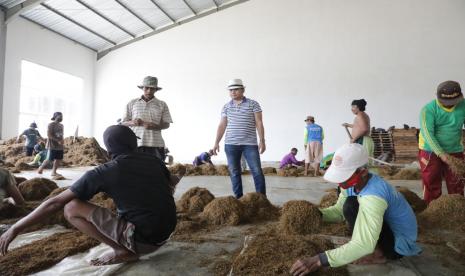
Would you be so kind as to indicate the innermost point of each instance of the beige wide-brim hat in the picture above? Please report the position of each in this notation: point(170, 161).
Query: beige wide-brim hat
point(150, 81)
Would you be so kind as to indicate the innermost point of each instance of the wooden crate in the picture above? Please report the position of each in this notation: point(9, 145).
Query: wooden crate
point(405, 145)
point(383, 143)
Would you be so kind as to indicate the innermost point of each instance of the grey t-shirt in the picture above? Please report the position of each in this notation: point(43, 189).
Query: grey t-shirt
point(55, 134)
point(31, 137)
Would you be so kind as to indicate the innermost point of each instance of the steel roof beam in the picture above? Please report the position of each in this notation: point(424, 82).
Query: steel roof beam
point(77, 23)
point(106, 18)
point(15, 11)
point(60, 34)
point(135, 14)
point(163, 11)
point(190, 8)
point(102, 53)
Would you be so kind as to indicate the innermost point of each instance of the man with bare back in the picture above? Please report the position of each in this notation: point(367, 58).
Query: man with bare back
point(361, 126)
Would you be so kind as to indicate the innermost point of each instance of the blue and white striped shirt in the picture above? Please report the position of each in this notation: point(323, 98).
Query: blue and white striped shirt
point(241, 128)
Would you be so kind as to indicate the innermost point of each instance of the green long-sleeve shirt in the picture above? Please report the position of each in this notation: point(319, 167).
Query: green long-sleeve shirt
point(366, 231)
point(441, 128)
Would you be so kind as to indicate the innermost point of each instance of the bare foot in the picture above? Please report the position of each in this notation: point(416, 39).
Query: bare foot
point(40, 171)
point(115, 257)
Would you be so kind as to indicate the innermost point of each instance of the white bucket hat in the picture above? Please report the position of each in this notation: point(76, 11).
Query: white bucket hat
point(347, 159)
point(235, 83)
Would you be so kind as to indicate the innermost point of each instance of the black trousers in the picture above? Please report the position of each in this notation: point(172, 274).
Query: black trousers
point(386, 240)
point(157, 151)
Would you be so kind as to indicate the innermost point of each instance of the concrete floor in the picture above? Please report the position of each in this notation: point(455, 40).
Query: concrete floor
point(186, 258)
point(279, 189)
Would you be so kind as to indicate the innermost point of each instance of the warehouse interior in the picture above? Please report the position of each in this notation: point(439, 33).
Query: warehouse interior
point(301, 63)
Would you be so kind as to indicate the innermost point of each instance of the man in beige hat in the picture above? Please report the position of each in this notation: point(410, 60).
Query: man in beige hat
point(147, 116)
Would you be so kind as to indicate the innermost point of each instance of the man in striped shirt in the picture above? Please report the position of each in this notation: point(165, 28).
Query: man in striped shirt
point(241, 118)
point(147, 116)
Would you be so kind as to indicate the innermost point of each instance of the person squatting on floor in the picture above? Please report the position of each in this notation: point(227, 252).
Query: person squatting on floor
point(241, 119)
point(441, 123)
point(203, 158)
point(142, 189)
point(40, 155)
point(289, 160)
point(382, 223)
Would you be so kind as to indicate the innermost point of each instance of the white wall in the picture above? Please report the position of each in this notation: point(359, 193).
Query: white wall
point(2, 61)
point(27, 41)
point(297, 58)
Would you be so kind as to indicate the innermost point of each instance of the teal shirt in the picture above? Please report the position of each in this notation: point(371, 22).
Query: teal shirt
point(441, 128)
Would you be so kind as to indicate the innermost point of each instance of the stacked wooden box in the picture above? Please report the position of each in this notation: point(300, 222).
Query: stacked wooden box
point(383, 142)
point(405, 145)
point(402, 142)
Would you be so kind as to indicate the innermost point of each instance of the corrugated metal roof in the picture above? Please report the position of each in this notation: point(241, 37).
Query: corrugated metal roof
point(223, 2)
point(10, 3)
point(55, 22)
point(117, 13)
point(201, 5)
point(148, 11)
point(104, 25)
point(176, 9)
point(86, 17)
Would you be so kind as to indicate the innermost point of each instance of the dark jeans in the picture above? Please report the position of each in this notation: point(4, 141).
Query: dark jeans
point(29, 151)
point(386, 240)
point(157, 151)
point(252, 156)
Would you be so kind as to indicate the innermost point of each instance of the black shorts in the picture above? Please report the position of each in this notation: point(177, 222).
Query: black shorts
point(54, 155)
point(29, 151)
point(159, 152)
